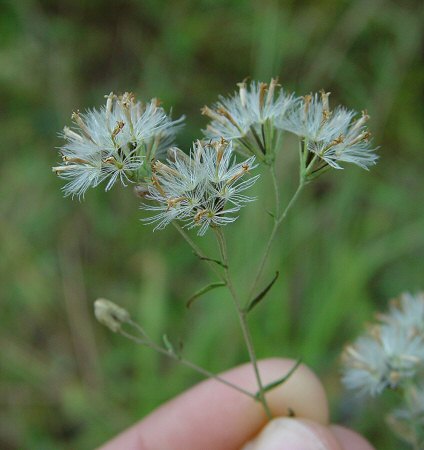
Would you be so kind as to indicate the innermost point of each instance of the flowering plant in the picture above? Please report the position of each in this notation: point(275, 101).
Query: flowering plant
point(204, 190)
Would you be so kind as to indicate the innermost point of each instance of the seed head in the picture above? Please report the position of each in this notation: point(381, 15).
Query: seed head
point(202, 189)
point(110, 314)
point(113, 143)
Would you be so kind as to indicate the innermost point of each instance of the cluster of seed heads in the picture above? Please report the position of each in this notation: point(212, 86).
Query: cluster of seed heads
point(133, 142)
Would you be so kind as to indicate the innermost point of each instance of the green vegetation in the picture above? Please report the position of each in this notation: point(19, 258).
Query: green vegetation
point(353, 240)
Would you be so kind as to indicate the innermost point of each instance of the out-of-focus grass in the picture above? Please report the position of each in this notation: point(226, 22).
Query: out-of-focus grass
point(354, 239)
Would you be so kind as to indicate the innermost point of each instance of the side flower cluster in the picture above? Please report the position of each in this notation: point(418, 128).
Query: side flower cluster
point(257, 115)
point(332, 136)
point(203, 189)
point(249, 117)
point(112, 143)
point(391, 354)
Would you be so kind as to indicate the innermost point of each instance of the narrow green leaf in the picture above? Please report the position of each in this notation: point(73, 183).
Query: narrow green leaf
point(262, 294)
point(216, 261)
point(202, 291)
point(276, 383)
point(168, 344)
point(270, 213)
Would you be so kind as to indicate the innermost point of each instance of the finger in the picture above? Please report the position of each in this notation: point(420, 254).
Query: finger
point(212, 415)
point(350, 439)
point(285, 433)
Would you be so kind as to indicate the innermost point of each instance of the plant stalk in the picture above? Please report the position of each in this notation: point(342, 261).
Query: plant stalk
point(277, 222)
point(243, 322)
point(149, 343)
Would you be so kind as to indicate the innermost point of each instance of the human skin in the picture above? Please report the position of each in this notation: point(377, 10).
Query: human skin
point(213, 416)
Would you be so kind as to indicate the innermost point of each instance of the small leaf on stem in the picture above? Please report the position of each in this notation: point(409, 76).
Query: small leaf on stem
point(262, 294)
point(203, 290)
point(216, 261)
point(169, 347)
point(281, 380)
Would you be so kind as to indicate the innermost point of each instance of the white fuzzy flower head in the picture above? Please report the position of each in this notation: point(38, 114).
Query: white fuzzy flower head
point(384, 358)
point(248, 117)
point(407, 312)
point(202, 189)
point(333, 136)
point(112, 143)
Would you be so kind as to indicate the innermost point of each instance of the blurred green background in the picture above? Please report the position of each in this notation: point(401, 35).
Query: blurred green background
point(354, 240)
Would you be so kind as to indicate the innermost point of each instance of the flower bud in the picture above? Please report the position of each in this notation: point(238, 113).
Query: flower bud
point(110, 314)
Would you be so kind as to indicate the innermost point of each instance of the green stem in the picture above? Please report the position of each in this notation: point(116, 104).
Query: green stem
point(149, 343)
point(241, 313)
point(198, 250)
point(252, 150)
point(277, 222)
point(257, 139)
point(276, 190)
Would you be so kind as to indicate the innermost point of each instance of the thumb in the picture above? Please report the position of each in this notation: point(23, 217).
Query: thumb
point(285, 433)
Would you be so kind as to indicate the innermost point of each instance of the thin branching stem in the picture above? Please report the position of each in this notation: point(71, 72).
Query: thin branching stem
point(276, 190)
point(197, 250)
point(151, 344)
point(278, 219)
point(241, 313)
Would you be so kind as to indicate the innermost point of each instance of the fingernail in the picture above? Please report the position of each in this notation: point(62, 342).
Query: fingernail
point(287, 434)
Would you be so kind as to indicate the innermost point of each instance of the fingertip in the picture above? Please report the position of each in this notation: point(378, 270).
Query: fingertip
point(302, 395)
point(285, 433)
point(350, 439)
point(211, 415)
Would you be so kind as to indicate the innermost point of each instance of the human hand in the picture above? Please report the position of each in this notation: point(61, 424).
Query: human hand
point(212, 416)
